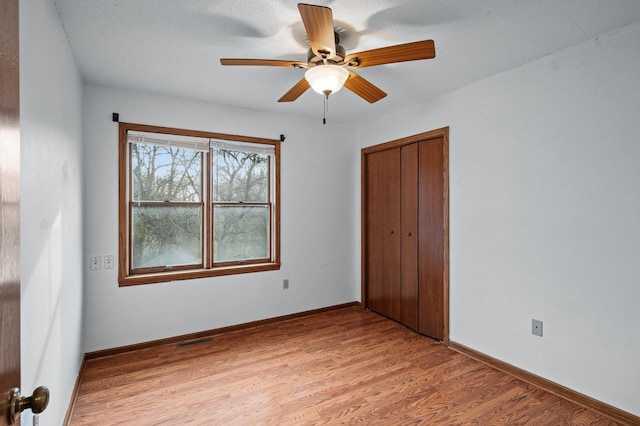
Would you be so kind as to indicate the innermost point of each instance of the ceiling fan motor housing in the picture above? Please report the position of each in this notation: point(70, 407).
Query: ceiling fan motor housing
point(313, 59)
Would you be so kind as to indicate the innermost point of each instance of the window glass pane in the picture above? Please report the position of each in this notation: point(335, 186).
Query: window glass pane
point(239, 176)
point(165, 173)
point(240, 233)
point(166, 235)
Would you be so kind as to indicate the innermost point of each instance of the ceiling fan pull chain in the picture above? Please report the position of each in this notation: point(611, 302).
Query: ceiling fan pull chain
point(324, 110)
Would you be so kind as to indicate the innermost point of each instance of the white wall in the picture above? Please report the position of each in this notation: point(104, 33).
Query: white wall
point(51, 209)
point(545, 208)
point(316, 227)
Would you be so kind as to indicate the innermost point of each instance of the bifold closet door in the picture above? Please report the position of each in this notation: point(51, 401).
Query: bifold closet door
point(384, 233)
point(405, 241)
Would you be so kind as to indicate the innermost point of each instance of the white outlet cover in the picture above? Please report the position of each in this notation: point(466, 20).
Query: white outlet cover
point(108, 261)
point(536, 327)
point(94, 263)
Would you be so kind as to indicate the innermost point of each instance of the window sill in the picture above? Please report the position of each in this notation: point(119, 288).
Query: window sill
point(195, 274)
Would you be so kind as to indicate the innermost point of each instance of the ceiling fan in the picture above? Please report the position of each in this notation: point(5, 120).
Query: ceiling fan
point(327, 62)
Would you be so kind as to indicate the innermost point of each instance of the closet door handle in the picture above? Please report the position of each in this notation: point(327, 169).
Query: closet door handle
point(391, 232)
point(408, 234)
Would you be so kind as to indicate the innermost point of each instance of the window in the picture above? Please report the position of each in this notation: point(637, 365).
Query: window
point(196, 204)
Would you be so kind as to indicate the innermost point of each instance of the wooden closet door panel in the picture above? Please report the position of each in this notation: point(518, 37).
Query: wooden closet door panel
point(409, 236)
point(390, 207)
point(431, 238)
point(375, 236)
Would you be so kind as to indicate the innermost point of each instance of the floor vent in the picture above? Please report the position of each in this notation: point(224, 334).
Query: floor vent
point(193, 342)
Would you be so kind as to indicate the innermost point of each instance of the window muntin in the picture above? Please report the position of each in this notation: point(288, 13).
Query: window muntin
point(197, 204)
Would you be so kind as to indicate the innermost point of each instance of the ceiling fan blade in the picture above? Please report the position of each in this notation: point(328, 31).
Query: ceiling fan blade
point(318, 22)
point(295, 92)
point(263, 62)
point(363, 88)
point(415, 51)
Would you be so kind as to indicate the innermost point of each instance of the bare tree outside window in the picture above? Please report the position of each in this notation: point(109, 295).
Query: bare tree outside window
point(166, 213)
point(241, 208)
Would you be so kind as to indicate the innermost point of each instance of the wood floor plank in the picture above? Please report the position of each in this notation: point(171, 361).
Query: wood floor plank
point(347, 366)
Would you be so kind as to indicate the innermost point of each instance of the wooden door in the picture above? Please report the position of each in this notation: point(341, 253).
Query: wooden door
point(9, 206)
point(390, 208)
point(433, 241)
point(383, 232)
point(409, 236)
point(373, 233)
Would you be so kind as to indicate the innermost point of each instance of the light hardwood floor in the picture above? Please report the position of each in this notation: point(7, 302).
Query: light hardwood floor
point(347, 366)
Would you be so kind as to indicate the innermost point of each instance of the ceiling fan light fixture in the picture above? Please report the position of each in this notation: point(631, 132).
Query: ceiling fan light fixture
point(326, 79)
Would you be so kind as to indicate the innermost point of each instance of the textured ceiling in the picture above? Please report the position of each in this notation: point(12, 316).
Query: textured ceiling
point(173, 47)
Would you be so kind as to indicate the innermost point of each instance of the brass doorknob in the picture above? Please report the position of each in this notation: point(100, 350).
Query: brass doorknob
point(37, 402)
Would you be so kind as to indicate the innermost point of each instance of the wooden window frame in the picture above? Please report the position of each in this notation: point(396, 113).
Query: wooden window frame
point(126, 277)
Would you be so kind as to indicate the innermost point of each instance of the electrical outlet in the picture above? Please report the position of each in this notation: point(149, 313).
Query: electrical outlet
point(108, 261)
point(94, 263)
point(285, 284)
point(536, 327)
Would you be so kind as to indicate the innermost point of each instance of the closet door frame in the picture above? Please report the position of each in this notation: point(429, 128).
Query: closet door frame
point(442, 133)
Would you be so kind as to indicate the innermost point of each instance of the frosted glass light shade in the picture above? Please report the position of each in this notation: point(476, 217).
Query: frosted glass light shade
point(326, 79)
